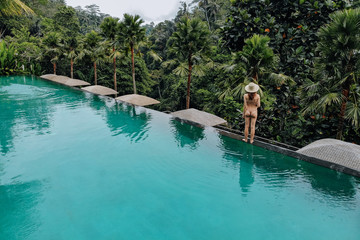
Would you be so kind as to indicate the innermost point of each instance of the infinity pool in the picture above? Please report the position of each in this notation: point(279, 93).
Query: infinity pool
point(78, 166)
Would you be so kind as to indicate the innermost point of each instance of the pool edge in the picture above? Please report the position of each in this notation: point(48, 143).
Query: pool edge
point(288, 151)
point(271, 145)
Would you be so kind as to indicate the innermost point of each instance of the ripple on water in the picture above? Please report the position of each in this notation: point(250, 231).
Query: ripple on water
point(19, 92)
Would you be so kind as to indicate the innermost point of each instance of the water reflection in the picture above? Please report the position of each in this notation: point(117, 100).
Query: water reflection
point(24, 107)
point(19, 218)
point(342, 186)
point(186, 134)
point(279, 171)
point(128, 120)
point(133, 122)
point(246, 175)
point(241, 157)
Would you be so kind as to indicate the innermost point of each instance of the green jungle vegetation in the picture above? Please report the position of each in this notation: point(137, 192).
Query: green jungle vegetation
point(304, 54)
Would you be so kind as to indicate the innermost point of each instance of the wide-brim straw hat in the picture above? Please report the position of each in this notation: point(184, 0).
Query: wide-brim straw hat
point(252, 88)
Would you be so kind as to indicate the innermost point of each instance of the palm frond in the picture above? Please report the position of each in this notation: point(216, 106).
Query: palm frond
point(320, 105)
point(198, 70)
point(155, 56)
point(14, 7)
point(239, 90)
point(281, 79)
point(229, 68)
point(169, 63)
point(353, 113)
point(181, 70)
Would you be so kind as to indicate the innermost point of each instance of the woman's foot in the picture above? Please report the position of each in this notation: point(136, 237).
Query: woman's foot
point(245, 140)
point(251, 141)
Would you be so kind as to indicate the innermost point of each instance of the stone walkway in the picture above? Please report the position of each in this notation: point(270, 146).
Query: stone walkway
point(138, 100)
point(100, 90)
point(65, 80)
point(198, 116)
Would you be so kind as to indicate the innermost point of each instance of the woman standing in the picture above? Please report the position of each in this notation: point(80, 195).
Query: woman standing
point(251, 104)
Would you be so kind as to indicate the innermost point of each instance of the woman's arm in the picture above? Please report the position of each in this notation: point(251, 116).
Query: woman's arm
point(245, 105)
point(245, 101)
point(258, 101)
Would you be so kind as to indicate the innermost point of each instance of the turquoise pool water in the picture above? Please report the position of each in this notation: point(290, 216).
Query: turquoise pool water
point(78, 166)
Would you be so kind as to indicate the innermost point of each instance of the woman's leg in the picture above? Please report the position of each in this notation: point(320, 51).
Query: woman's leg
point(252, 131)
point(246, 130)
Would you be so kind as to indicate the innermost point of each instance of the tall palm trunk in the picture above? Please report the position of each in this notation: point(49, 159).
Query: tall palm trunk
point(345, 93)
point(71, 68)
point(255, 76)
point(207, 19)
point(133, 68)
point(115, 84)
point(54, 66)
point(95, 75)
point(188, 84)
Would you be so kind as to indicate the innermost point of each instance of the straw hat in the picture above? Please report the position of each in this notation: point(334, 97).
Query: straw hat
point(252, 88)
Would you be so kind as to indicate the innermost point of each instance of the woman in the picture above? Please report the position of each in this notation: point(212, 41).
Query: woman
point(251, 104)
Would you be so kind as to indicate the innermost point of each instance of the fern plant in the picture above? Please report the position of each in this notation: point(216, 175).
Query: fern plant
point(8, 63)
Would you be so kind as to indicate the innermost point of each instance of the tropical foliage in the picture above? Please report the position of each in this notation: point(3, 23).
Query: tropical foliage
point(336, 88)
point(8, 64)
point(14, 7)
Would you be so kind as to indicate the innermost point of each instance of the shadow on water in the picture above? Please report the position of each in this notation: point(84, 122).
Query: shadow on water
point(19, 217)
point(186, 134)
point(279, 170)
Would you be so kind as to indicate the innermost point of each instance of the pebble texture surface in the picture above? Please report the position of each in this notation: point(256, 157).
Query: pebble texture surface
point(335, 151)
point(138, 100)
point(198, 116)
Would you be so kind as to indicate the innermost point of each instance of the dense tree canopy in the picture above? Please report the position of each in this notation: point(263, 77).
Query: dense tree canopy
point(337, 70)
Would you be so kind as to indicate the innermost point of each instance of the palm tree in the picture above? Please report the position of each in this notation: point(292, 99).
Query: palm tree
point(109, 29)
point(337, 70)
point(14, 7)
point(190, 42)
point(71, 52)
point(132, 34)
point(256, 60)
point(93, 48)
point(257, 56)
point(53, 47)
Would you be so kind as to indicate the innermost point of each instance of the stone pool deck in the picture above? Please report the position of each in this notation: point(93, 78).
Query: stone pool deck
point(138, 100)
point(100, 90)
point(334, 151)
point(65, 80)
point(200, 117)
